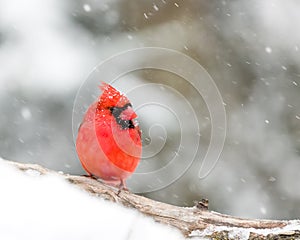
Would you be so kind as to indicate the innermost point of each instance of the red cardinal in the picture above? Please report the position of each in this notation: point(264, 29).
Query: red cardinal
point(109, 139)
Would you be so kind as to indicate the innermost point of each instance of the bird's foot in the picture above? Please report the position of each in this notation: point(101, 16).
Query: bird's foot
point(122, 187)
point(89, 176)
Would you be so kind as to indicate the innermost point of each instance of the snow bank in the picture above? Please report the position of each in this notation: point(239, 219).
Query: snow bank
point(47, 207)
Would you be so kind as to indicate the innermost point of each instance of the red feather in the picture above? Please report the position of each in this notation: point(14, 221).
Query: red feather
point(109, 139)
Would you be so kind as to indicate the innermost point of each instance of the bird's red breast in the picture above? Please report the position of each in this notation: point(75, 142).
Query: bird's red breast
point(109, 139)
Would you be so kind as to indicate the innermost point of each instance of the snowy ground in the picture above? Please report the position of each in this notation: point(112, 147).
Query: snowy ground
point(35, 206)
point(47, 207)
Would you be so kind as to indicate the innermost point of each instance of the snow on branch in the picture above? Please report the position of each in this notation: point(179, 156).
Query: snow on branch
point(194, 222)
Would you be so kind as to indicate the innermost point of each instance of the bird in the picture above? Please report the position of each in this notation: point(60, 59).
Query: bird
point(109, 143)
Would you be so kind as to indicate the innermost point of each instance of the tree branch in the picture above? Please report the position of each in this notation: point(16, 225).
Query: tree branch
point(192, 222)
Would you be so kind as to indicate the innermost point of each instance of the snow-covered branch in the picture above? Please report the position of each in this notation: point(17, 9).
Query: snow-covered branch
point(193, 222)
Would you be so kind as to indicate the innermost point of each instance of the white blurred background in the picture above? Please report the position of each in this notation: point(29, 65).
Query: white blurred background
point(251, 50)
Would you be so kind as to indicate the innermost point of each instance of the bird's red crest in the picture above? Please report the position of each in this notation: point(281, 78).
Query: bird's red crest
point(111, 97)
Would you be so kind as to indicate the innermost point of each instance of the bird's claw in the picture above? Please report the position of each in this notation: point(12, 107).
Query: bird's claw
point(122, 187)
